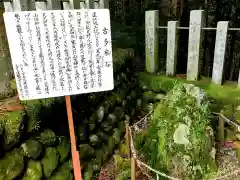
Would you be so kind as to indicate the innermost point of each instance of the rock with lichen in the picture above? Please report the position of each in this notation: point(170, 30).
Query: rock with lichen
point(50, 161)
point(12, 165)
point(63, 149)
point(62, 173)
point(33, 171)
point(33, 108)
point(13, 128)
point(179, 139)
point(32, 149)
point(48, 138)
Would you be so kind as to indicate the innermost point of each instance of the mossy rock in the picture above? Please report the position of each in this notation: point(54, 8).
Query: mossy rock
point(47, 102)
point(50, 161)
point(149, 96)
point(33, 109)
point(34, 171)
point(88, 174)
point(86, 150)
point(32, 149)
point(13, 128)
point(48, 138)
point(179, 137)
point(12, 165)
point(63, 149)
point(62, 173)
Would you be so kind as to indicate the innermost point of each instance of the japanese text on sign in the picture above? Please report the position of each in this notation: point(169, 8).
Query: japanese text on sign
point(58, 53)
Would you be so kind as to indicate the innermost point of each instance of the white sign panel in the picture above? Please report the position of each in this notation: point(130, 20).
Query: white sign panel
point(60, 52)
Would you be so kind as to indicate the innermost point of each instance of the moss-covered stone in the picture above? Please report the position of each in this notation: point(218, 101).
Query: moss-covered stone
point(50, 161)
point(62, 173)
point(180, 140)
point(33, 171)
point(13, 128)
point(47, 102)
point(33, 108)
point(12, 165)
point(63, 149)
point(88, 174)
point(32, 149)
point(86, 150)
point(48, 138)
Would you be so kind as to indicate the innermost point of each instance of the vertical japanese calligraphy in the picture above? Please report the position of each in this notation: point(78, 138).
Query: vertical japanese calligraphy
point(90, 49)
point(49, 52)
point(40, 55)
point(98, 48)
point(62, 52)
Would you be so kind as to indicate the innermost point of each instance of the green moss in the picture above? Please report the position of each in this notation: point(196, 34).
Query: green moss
point(12, 165)
point(13, 128)
point(62, 173)
point(179, 138)
point(123, 168)
point(86, 150)
point(47, 102)
point(32, 149)
point(33, 108)
point(50, 161)
point(48, 138)
point(120, 56)
point(221, 94)
point(63, 149)
point(88, 174)
point(34, 171)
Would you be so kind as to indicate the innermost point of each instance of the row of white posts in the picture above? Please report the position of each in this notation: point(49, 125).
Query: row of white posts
point(195, 50)
point(27, 5)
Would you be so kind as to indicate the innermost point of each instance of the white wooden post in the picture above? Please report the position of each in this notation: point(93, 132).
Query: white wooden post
point(46, 5)
point(219, 53)
point(151, 40)
point(172, 47)
point(16, 5)
point(197, 22)
point(85, 4)
point(79, 4)
point(100, 4)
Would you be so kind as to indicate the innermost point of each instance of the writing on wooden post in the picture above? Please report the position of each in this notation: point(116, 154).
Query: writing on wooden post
point(151, 40)
point(172, 47)
point(60, 52)
point(195, 54)
point(219, 53)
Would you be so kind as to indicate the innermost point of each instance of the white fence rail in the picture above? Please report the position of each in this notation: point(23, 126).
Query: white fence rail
point(195, 50)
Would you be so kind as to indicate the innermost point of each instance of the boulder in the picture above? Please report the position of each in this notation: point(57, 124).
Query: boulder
point(180, 140)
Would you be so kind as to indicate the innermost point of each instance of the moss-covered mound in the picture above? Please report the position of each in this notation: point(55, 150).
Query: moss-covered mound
point(179, 139)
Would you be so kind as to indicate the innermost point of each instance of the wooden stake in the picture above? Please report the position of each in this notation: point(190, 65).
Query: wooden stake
point(221, 130)
point(75, 154)
point(127, 141)
point(133, 168)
